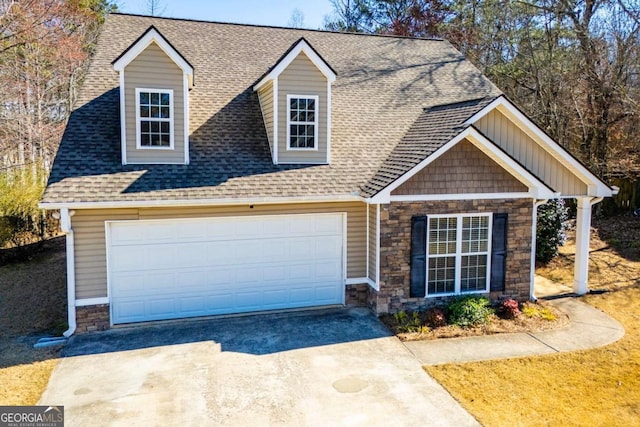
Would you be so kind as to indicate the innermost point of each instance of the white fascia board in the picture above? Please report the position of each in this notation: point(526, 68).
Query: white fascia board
point(201, 202)
point(304, 47)
point(154, 36)
point(461, 196)
point(536, 187)
point(596, 187)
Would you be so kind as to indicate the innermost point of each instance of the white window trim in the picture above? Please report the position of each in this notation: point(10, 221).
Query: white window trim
point(458, 255)
point(139, 145)
point(316, 122)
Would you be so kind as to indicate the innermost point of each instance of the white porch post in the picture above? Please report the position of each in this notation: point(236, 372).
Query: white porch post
point(583, 227)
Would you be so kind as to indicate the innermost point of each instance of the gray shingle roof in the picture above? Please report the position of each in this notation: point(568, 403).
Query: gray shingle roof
point(380, 127)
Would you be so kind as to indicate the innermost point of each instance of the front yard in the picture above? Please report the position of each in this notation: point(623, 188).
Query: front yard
point(32, 303)
point(584, 388)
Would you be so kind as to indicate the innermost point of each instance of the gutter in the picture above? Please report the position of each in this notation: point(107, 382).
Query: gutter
point(353, 197)
point(65, 225)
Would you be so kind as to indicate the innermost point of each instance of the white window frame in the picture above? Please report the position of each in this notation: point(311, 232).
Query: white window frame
point(139, 145)
point(315, 123)
point(458, 255)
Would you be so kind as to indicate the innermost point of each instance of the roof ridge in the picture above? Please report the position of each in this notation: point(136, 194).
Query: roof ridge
point(347, 33)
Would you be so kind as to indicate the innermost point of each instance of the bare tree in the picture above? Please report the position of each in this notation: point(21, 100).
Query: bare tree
point(156, 7)
point(297, 19)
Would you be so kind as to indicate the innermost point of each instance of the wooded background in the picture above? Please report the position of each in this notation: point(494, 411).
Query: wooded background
point(572, 66)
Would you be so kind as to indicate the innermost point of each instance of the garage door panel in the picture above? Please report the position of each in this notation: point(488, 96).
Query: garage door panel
point(173, 268)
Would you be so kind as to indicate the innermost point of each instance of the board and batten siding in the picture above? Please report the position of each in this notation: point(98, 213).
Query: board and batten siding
point(153, 69)
point(89, 232)
point(525, 150)
point(302, 77)
point(373, 233)
point(462, 169)
point(265, 95)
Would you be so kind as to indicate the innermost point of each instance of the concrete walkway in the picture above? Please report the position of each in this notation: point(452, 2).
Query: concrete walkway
point(588, 328)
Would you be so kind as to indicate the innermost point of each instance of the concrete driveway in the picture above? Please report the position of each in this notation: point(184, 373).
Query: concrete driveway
point(313, 368)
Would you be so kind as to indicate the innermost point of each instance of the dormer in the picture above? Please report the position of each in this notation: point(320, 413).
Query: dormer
point(295, 98)
point(155, 80)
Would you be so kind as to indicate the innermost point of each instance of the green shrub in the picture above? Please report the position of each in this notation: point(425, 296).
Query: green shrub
point(534, 310)
point(469, 311)
point(409, 322)
point(21, 221)
point(550, 229)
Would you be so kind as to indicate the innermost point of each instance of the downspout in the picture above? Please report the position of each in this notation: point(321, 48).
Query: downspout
point(65, 225)
point(534, 224)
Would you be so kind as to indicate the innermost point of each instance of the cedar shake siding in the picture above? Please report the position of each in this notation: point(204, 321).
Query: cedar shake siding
point(395, 249)
point(153, 69)
point(462, 169)
point(89, 230)
point(302, 77)
point(499, 129)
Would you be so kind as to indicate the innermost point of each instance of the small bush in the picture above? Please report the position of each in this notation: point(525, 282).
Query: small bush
point(510, 309)
point(469, 311)
point(535, 310)
point(435, 318)
point(550, 229)
point(409, 322)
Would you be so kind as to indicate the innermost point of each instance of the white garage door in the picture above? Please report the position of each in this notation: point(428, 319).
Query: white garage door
point(169, 269)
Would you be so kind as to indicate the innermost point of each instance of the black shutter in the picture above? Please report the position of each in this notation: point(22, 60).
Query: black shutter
point(498, 252)
point(418, 256)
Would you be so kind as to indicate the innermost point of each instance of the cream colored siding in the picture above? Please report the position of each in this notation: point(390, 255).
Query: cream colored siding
point(373, 232)
point(89, 230)
point(153, 69)
point(525, 150)
point(265, 94)
point(90, 249)
point(302, 77)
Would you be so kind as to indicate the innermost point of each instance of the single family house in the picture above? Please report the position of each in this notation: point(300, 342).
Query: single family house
point(213, 168)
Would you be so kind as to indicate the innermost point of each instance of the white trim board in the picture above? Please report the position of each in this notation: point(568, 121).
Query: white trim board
point(537, 188)
point(201, 202)
point(507, 108)
point(301, 47)
point(153, 36)
point(84, 302)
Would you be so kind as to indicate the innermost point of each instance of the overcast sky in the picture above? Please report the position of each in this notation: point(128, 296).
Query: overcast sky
point(262, 12)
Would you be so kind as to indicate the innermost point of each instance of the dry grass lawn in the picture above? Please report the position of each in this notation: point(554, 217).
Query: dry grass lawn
point(599, 387)
point(32, 295)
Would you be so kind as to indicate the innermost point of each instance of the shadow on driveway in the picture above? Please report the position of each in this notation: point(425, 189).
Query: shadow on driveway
point(253, 334)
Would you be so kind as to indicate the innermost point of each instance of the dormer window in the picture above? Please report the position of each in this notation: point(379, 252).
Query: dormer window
point(295, 99)
point(302, 122)
point(155, 80)
point(154, 120)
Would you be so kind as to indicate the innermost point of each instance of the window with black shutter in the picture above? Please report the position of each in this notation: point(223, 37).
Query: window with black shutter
point(458, 254)
point(499, 252)
point(418, 256)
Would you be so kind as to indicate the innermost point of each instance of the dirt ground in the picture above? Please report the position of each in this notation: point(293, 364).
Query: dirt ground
point(33, 304)
point(614, 260)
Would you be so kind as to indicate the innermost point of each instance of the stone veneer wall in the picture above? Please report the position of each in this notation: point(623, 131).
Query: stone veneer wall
point(395, 249)
point(356, 295)
point(92, 318)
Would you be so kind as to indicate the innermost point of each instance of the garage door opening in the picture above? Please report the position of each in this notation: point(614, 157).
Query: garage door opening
point(169, 269)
